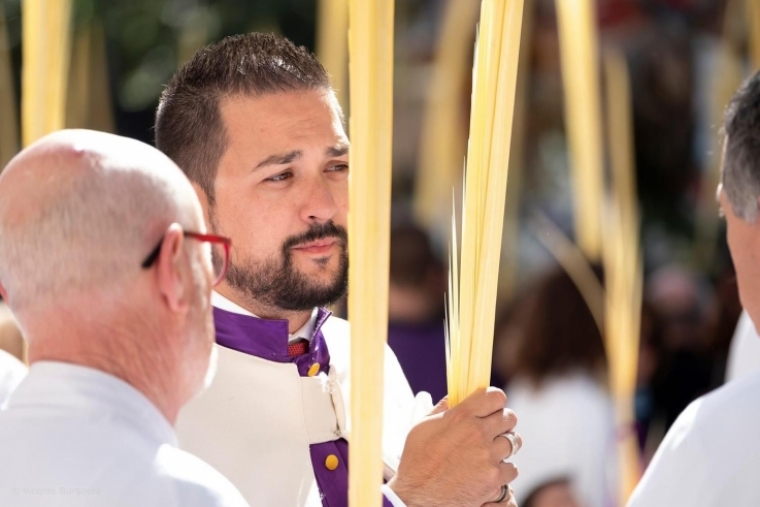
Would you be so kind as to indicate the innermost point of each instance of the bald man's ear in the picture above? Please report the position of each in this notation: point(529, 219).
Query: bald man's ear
point(173, 272)
point(3, 293)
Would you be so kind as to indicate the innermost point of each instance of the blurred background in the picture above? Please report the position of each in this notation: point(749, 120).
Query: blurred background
point(684, 59)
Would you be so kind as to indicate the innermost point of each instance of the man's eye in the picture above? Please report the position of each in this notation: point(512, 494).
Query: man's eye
point(280, 177)
point(338, 168)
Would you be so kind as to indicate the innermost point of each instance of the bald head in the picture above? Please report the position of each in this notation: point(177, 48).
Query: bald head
point(79, 211)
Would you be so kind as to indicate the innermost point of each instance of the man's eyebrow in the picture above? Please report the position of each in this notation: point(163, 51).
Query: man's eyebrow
point(279, 159)
point(338, 150)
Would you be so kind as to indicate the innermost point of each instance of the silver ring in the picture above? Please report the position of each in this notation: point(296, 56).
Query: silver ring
point(504, 494)
point(514, 441)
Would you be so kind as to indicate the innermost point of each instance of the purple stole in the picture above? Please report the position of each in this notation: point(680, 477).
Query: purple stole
point(268, 339)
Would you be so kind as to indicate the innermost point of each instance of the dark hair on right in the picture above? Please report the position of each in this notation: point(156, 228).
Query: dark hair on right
point(558, 332)
point(189, 127)
point(741, 166)
point(412, 257)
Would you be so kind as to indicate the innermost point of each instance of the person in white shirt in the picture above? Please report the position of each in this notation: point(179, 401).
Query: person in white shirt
point(103, 262)
point(744, 354)
point(550, 348)
point(711, 454)
point(12, 372)
point(254, 123)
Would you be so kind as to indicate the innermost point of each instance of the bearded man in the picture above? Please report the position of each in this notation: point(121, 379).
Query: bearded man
point(254, 123)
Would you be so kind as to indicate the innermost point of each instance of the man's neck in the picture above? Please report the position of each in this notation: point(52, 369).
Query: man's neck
point(296, 319)
point(151, 386)
point(117, 350)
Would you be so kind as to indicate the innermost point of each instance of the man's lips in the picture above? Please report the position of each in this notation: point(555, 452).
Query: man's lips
point(316, 247)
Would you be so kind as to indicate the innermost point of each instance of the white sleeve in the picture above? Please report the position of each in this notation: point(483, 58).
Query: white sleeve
point(401, 411)
point(392, 496)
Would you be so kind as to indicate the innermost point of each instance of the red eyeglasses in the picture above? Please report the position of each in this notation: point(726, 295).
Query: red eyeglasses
point(220, 263)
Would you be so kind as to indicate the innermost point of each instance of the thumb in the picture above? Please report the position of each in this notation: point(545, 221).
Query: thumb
point(441, 407)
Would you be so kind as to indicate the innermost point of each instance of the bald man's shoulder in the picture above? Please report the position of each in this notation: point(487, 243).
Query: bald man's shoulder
point(75, 436)
point(193, 482)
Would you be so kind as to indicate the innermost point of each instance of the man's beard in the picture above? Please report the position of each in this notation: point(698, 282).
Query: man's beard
point(277, 283)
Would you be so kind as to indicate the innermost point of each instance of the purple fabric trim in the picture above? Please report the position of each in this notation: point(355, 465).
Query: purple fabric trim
point(421, 351)
point(268, 339)
point(333, 483)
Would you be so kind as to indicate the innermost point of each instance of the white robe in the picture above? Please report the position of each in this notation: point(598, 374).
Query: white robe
point(12, 372)
point(75, 436)
point(568, 427)
point(711, 455)
point(744, 354)
point(256, 421)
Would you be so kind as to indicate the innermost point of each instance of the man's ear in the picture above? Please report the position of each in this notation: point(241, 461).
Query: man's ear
point(3, 293)
point(173, 274)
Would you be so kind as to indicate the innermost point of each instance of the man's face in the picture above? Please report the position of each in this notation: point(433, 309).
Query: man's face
point(744, 243)
point(281, 195)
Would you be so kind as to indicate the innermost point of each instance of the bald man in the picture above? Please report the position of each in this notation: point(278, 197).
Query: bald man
point(103, 262)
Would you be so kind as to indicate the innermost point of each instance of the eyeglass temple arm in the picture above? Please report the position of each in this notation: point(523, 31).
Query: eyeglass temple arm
point(152, 257)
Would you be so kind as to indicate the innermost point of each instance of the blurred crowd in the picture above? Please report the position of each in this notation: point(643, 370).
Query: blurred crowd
point(549, 356)
point(548, 349)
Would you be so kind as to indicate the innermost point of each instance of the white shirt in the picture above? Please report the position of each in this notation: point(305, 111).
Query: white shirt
point(76, 436)
point(711, 455)
point(256, 421)
point(12, 372)
point(569, 432)
point(744, 355)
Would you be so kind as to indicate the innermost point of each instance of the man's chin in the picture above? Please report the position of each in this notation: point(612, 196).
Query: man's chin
point(322, 289)
point(318, 270)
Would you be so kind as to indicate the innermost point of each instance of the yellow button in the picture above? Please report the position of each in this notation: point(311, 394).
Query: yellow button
point(331, 462)
point(314, 370)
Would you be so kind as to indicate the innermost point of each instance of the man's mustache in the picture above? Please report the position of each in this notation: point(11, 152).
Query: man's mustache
point(316, 232)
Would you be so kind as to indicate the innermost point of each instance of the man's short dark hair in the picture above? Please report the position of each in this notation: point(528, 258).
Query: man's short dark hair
point(741, 166)
point(189, 126)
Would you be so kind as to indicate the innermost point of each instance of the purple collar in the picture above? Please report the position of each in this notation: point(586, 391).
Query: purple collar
point(268, 339)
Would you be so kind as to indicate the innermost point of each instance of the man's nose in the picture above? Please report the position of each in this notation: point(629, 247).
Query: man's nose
point(319, 203)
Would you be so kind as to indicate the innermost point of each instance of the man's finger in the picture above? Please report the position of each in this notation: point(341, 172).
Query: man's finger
point(484, 402)
point(508, 501)
point(442, 406)
point(503, 448)
point(508, 472)
point(500, 422)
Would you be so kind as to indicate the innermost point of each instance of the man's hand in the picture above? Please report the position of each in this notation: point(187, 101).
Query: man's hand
point(454, 457)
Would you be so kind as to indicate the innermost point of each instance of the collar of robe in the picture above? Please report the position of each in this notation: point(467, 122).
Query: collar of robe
point(268, 339)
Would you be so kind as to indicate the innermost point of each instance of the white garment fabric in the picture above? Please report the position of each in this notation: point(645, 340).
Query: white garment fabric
point(12, 372)
point(76, 436)
point(568, 427)
point(255, 423)
point(744, 354)
point(711, 454)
